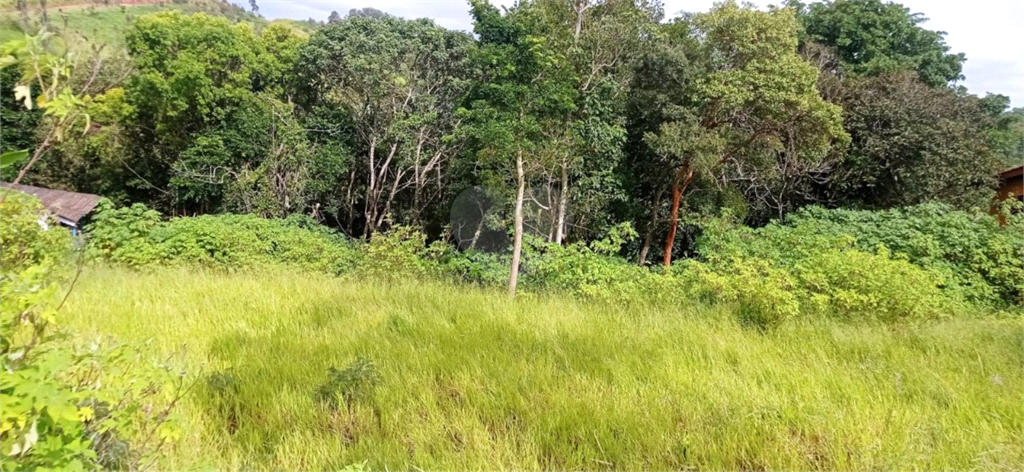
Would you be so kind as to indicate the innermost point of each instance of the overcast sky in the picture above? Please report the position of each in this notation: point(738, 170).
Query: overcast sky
point(988, 31)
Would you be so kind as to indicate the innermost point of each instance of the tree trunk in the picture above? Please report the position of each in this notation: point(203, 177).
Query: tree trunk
point(678, 187)
point(371, 205)
point(476, 234)
point(46, 16)
point(517, 241)
point(563, 201)
point(652, 226)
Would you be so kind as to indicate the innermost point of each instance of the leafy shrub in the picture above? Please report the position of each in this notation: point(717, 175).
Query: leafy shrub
point(402, 251)
point(854, 284)
point(592, 270)
point(122, 234)
point(970, 255)
point(981, 259)
point(765, 296)
point(135, 236)
point(474, 267)
point(57, 395)
point(345, 386)
point(24, 242)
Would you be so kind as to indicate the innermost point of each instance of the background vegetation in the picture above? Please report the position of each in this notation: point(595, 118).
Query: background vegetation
point(307, 227)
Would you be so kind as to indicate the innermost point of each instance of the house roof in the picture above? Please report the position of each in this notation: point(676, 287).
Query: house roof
point(70, 206)
point(1011, 173)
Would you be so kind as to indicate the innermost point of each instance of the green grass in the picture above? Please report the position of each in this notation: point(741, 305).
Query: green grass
point(470, 380)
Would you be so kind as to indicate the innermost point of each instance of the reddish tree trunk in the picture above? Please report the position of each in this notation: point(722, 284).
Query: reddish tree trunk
point(678, 187)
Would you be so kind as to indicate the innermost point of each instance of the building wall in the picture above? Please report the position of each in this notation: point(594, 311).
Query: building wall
point(1011, 186)
point(1014, 185)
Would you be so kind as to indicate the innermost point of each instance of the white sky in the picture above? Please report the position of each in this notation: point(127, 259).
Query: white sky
point(990, 32)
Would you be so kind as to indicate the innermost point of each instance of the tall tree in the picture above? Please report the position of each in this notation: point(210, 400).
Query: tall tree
point(1006, 134)
point(754, 114)
point(600, 40)
point(518, 104)
point(392, 84)
point(873, 37)
point(912, 143)
point(197, 96)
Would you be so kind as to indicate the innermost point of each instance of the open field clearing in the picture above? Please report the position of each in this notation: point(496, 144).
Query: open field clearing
point(434, 376)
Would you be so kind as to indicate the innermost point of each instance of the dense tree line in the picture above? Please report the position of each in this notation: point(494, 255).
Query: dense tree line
point(569, 116)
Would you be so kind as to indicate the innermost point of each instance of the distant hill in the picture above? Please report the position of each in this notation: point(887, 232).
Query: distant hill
point(103, 22)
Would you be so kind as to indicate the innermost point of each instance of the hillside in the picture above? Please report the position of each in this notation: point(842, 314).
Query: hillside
point(103, 22)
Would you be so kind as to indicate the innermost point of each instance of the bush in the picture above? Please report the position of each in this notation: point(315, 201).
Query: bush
point(402, 251)
point(122, 234)
point(969, 254)
point(808, 266)
point(764, 295)
point(474, 267)
point(853, 284)
point(57, 394)
point(593, 271)
point(25, 240)
point(980, 259)
point(135, 236)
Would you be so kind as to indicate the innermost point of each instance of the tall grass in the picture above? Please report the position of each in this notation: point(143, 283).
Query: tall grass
point(466, 379)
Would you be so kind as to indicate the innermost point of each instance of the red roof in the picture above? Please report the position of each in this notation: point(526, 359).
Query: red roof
point(1011, 173)
point(71, 206)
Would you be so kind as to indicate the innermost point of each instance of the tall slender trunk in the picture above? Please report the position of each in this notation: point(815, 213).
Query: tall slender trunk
point(517, 242)
point(371, 204)
point(476, 234)
point(563, 201)
point(678, 187)
point(652, 226)
point(350, 200)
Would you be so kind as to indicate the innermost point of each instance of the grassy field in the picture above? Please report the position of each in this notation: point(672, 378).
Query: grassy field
point(467, 379)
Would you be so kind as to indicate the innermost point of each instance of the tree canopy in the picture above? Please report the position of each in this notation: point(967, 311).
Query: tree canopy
point(874, 37)
point(569, 117)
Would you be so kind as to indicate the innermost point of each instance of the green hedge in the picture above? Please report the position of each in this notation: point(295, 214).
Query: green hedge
point(136, 236)
point(972, 257)
point(919, 263)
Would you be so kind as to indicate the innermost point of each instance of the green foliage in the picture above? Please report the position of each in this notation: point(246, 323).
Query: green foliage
point(846, 284)
point(873, 37)
point(912, 143)
point(24, 241)
point(135, 236)
point(967, 254)
point(68, 406)
point(351, 384)
point(17, 124)
point(857, 285)
point(206, 117)
point(386, 89)
point(970, 250)
point(591, 271)
point(1006, 135)
point(400, 252)
point(765, 296)
point(122, 234)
